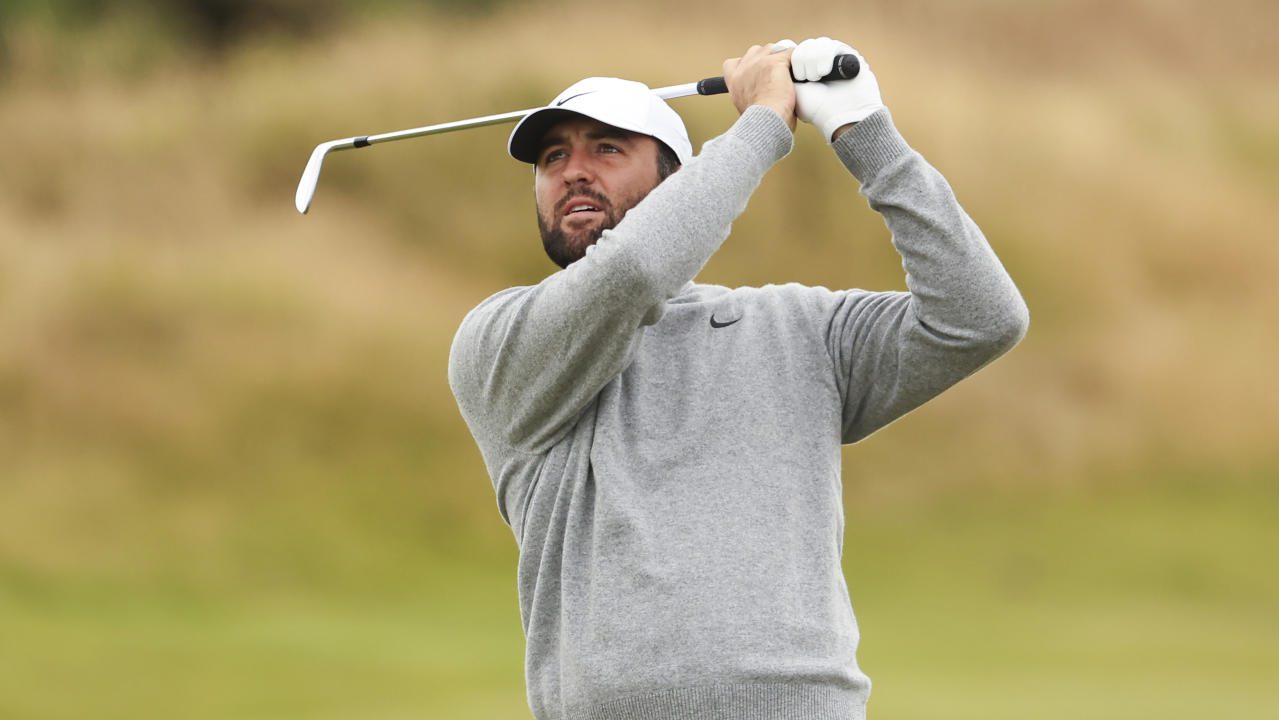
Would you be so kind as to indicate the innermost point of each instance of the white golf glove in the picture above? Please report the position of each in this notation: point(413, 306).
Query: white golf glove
point(829, 106)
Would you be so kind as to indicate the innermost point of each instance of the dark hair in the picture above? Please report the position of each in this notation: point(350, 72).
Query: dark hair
point(667, 160)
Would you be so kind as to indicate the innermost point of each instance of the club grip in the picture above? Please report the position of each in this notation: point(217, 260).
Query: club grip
point(846, 68)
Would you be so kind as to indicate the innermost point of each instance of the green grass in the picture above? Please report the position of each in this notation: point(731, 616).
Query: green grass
point(451, 650)
point(1117, 604)
point(1048, 605)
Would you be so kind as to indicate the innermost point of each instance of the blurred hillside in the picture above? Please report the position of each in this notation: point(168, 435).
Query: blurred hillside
point(209, 401)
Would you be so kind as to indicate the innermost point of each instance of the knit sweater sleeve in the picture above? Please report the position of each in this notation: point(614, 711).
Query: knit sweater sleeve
point(893, 351)
point(526, 362)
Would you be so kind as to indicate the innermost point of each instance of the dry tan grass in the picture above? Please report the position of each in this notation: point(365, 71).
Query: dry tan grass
point(184, 356)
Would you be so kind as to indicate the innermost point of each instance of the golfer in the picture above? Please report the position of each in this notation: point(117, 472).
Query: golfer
point(666, 452)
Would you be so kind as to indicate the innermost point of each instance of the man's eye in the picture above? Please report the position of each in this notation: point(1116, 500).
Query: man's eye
point(552, 155)
point(605, 147)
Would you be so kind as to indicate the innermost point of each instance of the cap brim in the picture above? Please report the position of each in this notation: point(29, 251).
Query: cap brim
point(526, 138)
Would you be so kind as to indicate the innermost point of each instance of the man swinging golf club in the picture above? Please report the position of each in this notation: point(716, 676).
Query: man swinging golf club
point(667, 453)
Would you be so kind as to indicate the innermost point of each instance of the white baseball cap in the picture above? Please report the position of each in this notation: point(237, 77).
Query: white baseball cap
point(625, 104)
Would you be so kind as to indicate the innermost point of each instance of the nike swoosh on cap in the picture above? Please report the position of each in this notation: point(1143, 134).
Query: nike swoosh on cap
point(570, 97)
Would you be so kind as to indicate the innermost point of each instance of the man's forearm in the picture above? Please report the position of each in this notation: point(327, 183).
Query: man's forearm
point(959, 287)
point(681, 224)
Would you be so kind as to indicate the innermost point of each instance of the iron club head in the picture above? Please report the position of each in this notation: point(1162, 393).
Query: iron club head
point(311, 175)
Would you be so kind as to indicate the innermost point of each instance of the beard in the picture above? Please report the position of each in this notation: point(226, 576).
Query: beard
point(565, 247)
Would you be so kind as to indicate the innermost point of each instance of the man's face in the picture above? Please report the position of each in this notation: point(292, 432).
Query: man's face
point(588, 175)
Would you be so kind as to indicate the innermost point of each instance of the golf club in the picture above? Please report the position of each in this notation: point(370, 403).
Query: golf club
point(846, 67)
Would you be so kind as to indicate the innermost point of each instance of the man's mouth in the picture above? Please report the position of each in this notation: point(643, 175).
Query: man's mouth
point(583, 208)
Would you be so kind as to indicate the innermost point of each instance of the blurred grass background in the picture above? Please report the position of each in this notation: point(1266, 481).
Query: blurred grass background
point(233, 482)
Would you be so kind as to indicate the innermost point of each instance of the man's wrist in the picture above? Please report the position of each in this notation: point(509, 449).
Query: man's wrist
point(873, 144)
point(780, 110)
point(762, 128)
point(840, 130)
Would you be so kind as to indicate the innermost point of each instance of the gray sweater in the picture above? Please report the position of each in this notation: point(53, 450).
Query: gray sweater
point(668, 453)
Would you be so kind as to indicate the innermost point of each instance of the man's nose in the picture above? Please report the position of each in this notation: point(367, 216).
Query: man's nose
point(578, 169)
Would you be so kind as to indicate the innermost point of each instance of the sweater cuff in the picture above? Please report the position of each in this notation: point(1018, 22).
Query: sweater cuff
point(870, 145)
point(766, 132)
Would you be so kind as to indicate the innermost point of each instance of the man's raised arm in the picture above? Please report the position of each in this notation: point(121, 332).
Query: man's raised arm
point(528, 361)
point(895, 351)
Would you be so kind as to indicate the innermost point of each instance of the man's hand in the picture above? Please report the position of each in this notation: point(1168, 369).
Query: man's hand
point(832, 106)
point(762, 76)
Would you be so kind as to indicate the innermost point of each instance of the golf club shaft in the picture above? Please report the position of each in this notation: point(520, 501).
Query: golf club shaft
point(845, 67)
point(665, 93)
